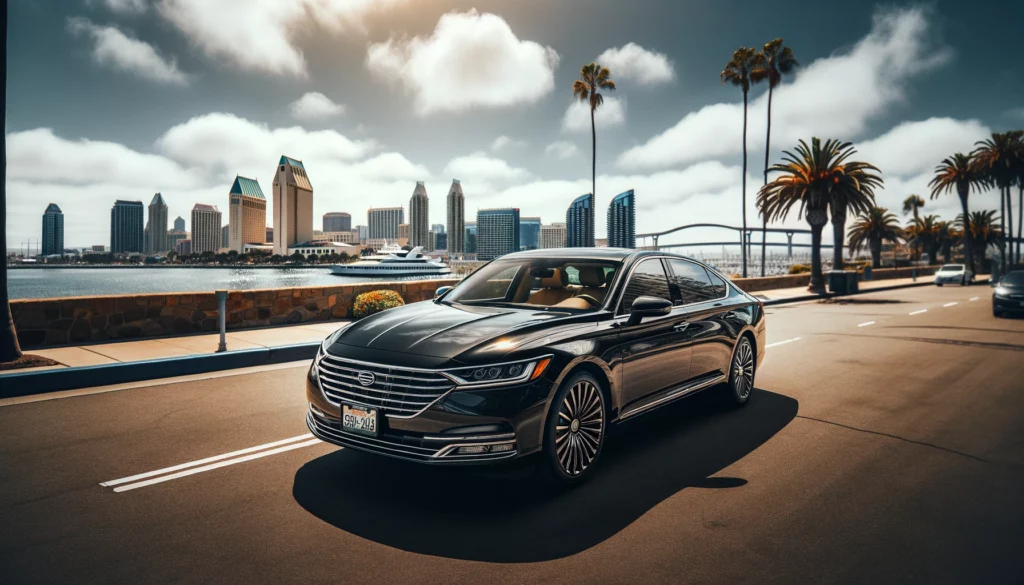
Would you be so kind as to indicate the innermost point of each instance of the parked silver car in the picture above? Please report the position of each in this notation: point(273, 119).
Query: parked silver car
point(953, 274)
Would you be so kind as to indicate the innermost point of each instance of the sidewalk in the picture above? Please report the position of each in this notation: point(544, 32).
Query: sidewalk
point(863, 286)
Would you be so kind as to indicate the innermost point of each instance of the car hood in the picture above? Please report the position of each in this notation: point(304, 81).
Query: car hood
point(446, 331)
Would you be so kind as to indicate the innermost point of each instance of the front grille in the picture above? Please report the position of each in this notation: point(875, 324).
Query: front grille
point(398, 393)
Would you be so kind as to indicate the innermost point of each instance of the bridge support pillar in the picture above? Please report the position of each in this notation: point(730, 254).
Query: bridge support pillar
point(789, 246)
point(655, 242)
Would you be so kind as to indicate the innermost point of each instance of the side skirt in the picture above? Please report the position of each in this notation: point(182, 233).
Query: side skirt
point(673, 394)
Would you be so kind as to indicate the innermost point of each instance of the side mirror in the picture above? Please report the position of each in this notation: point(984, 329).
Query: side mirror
point(441, 291)
point(645, 306)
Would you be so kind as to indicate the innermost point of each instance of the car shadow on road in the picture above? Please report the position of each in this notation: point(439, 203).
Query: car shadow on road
point(507, 515)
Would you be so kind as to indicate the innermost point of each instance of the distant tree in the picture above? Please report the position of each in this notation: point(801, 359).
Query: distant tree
point(587, 89)
point(737, 72)
point(947, 234)
point(923, 234)
point(912, 204)
point(871, 229)
point(994, 157)
point(983, 231)
point(959, 174)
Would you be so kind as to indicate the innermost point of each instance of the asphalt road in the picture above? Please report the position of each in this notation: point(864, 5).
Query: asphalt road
point(884, 445)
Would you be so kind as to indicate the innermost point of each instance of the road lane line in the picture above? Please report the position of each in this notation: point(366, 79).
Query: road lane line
point(973, 298)
point(173, 468)
point(950, 304)
point(782, 342)
point(919, 312)
point(866, 324)
point(218, 465)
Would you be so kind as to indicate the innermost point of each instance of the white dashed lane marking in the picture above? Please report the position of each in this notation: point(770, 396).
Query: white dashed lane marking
point(919, 312)
point(866, 324)
point(782, 342)
point(951, 304)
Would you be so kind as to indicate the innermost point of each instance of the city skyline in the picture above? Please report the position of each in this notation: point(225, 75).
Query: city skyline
point(670, 131)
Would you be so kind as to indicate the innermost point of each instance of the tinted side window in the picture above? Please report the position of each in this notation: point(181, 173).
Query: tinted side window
point(691, 283)
point(648, 279)
point(717, 284)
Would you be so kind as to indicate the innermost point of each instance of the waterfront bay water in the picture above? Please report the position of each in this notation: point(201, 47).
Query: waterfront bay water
point(38, 283)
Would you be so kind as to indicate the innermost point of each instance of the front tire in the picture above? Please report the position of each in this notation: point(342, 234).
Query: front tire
point(996, 312)
point(575, 430)
point(741, 373)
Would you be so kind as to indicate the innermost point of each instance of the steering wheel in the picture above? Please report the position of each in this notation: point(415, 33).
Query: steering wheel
point(589, 299)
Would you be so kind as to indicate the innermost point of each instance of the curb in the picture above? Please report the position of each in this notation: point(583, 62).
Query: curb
point(45, 381)
point(805, 298)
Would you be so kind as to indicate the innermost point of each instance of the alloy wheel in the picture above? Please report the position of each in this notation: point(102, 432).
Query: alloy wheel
point(580, 427)
point(743, 370)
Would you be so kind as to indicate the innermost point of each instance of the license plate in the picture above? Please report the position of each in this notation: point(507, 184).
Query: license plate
point(358, 419)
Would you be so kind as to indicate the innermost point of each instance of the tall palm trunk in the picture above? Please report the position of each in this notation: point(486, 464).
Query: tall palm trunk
point(876, 252)
point(9, 348)
point(817, 218)
point(962, 192)
point(838, 238)
point(767, 149)
point(1020, 218)
point(593, 155)
point(743, 234)
point(1008, 234)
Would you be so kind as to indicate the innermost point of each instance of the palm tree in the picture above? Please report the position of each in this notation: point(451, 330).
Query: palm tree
point(737, 72)
point(872, 228)
point(10, 350)
point(959, 173)
point(923, 232)
point(913, 204)
point(1017, 164)
point(775, 62)
point(819, 178)
point(593, 78)
point(946, 233)
point(994, 156)
point(983, 231)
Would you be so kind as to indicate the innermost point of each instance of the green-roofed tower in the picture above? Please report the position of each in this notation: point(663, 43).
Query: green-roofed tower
point(293, 205)
point(247, 214)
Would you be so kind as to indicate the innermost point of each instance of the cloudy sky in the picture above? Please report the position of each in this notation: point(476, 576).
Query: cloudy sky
point(116, 99)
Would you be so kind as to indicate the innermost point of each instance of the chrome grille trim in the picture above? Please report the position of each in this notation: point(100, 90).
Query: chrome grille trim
point(395, 392)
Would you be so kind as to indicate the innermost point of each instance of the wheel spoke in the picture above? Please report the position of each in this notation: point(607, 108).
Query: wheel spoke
point(580, 428)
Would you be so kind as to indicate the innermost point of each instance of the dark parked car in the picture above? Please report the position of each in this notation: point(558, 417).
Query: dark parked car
point(536, 351)
point(1008, 296)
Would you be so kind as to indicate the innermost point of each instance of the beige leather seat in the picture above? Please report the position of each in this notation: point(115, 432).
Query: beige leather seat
point(552, 289)
point(593, 282)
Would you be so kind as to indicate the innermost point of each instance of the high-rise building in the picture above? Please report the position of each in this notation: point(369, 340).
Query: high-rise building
point(403, 234)
point(206, 230)
point(622, 221)
point(183, 247)
point(53, 230)
point(419, 216)
point(126, 227)
point(225, 235)
point(430, 241)
point(337, 221)
point(293, 206)
point(552, 236)
point(179, 224)
point(470, 237)
point(437, 228)
point(157, 223)
point(270, 235)
point(440, 241)
point(497, 232)
point(175, 236)
point(456, 219)
point(529, 233)
point(363, 232)
point(247, 214)
point(579, 222)
point(383, 222)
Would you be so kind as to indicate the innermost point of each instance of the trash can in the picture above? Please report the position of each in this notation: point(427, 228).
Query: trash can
point(842, 282)
point(867, 272)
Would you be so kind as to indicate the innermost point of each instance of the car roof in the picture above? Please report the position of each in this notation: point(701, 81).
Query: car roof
point(588, 253)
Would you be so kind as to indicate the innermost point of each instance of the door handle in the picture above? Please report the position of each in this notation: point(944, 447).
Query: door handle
point(681, 327)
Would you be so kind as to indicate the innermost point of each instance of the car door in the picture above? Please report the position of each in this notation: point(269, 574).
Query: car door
point(653, 352)
point(702, 296)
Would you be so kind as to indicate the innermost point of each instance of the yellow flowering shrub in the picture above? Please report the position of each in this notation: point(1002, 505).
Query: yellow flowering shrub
point(375, 301)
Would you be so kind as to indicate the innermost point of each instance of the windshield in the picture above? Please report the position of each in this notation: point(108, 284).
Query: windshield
point(952, 268)
point(1015, 278)
point(562, 283)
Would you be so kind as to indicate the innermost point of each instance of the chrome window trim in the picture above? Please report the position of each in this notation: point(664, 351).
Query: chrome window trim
point(709, 271)
point(728, 285)
point(629, 275)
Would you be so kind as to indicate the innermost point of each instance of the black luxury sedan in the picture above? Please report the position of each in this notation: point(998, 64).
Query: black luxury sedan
point(537, 351)
point(1009, 294)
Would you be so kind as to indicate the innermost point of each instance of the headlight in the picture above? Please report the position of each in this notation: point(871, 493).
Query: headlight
point(1002, 291)
point(503, 373)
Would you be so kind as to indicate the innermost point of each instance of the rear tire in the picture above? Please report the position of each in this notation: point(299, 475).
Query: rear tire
point(938, 284)
point(741, 373)
point(996, 313)
point(575, 430)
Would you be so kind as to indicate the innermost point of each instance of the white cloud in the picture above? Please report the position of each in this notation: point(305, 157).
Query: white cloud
point(113, 48)
point(916, 147)
point(314, 105)
point(481, 167)
point(1017, 113)
point(260, 35)
point(611, 113)
point(561, 150)
point(122, 6)
point(631, 61)
point(470, 60)
point(503, 142)
point(835, 96)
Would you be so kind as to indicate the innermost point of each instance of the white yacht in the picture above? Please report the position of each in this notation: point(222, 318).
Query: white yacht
point(391, 261)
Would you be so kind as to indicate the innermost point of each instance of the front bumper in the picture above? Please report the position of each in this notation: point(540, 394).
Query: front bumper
point(462, 427)
point(1008, 304)
point(950, 280)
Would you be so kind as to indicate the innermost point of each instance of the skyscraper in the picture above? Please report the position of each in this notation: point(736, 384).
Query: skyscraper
point(497, 232)
point(293, 206)
point(179, 224)
point(247, 214)
point(270, 235)
point(362, 232)
point(456, 219)
point(419, 217)
point(529, 233)
point(437, 228)
point(175, 236)
point(552, 236)
point(126, 227)
point(337, 221)
point(225, 236)
point(579, 222)
point(470, 237)
point(53, 230)
point(384, 222)
point(622, 221)
point(157, 224)
point(206, 230)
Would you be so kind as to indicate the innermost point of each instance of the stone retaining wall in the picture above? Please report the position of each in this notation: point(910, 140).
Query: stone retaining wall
point(52, 322)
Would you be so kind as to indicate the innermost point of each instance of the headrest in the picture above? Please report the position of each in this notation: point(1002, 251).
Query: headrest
point(558, 279)
point(591, 276)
